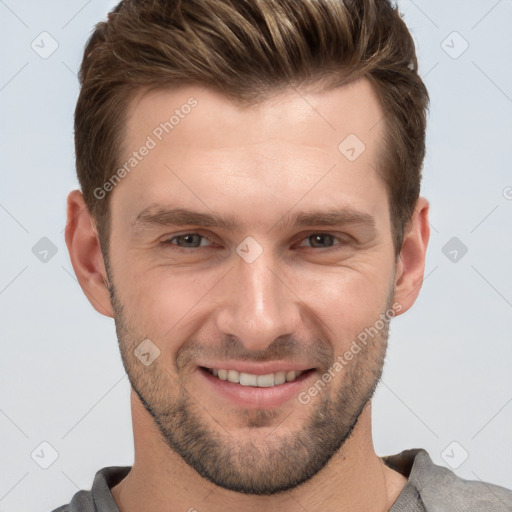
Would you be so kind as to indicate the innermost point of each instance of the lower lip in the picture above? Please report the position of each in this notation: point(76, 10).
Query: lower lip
point(255, 397)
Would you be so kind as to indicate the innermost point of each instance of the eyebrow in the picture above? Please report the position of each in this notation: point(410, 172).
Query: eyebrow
point(159, 216)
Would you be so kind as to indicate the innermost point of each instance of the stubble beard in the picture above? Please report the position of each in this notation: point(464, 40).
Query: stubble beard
point(284, 459)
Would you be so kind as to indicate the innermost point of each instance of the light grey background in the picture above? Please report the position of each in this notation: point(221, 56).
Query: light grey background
point(448, 374)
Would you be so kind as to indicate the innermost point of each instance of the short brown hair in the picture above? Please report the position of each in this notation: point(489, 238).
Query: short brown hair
point(248, 50)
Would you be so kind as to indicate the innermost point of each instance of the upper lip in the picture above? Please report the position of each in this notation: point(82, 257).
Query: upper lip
point(256, 368)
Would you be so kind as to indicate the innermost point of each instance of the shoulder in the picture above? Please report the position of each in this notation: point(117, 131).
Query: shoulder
point(465, 495)
point(99, 498)
point(82, 502)
point(441, 489)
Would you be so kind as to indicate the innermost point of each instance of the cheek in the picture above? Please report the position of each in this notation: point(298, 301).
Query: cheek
point(159, 301)
point(346, 300)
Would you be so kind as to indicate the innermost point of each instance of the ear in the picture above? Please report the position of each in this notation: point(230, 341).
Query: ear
point(84, 250)
point(410, 267)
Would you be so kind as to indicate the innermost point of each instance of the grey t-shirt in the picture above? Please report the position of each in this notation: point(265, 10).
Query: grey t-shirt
point(429, 488)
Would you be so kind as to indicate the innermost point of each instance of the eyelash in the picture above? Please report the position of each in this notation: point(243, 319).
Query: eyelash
point(340, 246)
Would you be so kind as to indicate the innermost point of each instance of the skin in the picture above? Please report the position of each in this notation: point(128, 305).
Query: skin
point(302, 300)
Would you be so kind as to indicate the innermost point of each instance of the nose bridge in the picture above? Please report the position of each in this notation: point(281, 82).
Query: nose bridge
point(257, 307)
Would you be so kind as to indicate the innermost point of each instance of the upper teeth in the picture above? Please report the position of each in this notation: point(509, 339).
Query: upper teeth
point(249, 379)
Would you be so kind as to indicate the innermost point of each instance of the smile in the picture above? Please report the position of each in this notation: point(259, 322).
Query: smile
point(248, 379)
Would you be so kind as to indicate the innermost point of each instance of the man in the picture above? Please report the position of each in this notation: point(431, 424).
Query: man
point(250, 216)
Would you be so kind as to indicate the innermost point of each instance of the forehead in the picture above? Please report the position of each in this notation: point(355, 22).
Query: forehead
point(298, 144)
point(314, 116)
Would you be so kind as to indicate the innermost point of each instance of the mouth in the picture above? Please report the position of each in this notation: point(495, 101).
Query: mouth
point(257, 386)
point(268, 380)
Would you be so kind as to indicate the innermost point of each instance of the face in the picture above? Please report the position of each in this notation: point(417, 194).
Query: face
point(249, 240)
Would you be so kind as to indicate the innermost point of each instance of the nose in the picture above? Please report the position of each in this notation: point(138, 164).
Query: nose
point(257, 303)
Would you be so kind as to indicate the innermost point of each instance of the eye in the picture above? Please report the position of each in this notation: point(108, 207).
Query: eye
point(188, 240)
point(196, 240)
point(322, 240)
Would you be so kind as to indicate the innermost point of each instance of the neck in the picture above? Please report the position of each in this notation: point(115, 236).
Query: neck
point(354, 480)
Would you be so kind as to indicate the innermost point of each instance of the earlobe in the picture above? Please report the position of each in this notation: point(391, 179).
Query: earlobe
point(85, 254)
point(410, 267)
